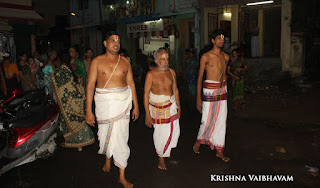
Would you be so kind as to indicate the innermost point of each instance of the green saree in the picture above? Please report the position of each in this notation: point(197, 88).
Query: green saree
point(238, 86)
point(71, 99)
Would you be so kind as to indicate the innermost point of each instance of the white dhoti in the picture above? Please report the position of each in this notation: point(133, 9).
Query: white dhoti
point(112, 110)
point(164, 114)
point(214, 115)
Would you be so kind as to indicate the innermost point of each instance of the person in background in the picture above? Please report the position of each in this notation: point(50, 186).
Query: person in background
point(34, 68)
point(46, 81)
point(191, 65)
point(123, 53)
point(142, 62)
point(77, 65)
point(10, 75)
point(237, 69)
point(88, 56)
point(27, 81)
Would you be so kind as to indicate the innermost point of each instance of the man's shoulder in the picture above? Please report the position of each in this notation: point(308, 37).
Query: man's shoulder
point(100, 57)
point(226, 56)
point(125, 60)
point(172, 70)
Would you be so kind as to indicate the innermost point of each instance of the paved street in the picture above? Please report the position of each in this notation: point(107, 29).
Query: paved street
point(281, 115)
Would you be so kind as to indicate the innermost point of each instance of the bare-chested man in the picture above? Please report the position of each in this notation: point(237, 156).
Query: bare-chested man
point(113, 97)
point(162, 106)
point(213, 103)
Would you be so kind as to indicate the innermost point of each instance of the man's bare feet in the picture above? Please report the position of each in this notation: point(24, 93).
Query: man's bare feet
point(107, 165)
point(223, 157)
point(196, 147)
point(162, 164)
point(125, 183)
point(122, 179)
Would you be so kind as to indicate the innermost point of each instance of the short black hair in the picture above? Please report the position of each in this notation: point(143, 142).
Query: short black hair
point(216, 33)
point(110, 33)
point(235, 50)
point(22, 53)
point(87, 49)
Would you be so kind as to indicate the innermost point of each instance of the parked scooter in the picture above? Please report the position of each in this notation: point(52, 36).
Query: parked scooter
point(31, 122)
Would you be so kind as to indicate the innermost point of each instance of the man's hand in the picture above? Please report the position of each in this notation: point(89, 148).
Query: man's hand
point(135, 114)
point(90, 119)
point(199, 105)
point(148, 121)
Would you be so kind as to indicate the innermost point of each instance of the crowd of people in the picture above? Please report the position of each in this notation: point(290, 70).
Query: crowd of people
point(101, 91)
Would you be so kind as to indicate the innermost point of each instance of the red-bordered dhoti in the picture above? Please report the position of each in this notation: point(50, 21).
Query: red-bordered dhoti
point(214, 115)
point(164, 114)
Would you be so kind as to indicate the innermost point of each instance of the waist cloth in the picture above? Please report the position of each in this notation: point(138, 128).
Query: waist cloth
point(164, 114)
point(212, 130)
point(112, 108)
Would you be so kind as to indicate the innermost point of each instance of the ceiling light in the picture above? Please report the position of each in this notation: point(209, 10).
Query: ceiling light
point(260, 3)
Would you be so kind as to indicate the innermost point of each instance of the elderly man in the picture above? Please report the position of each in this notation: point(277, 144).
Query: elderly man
point(162, 106)
point(115, 92)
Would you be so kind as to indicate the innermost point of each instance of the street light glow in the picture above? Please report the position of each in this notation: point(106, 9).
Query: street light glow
point(73, 14)
point(259, 3)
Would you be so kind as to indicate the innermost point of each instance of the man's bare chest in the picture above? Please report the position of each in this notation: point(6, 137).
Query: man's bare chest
point(106, 70)
point(162, 80)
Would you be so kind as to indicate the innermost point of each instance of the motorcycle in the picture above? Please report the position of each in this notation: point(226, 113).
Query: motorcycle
point(31, 123)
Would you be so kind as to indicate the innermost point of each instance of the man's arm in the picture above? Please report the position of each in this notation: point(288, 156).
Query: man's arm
point(203, 62)
point(92, 78)
point(147, 88)
point(176, 93)
point(130, 82)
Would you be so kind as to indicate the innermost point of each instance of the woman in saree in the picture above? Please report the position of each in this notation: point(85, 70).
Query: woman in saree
point(71, 98)
point(237, 69)
point(78, 66)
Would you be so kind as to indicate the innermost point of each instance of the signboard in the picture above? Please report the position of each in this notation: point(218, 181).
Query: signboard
point(149, 26)
point(181, 5)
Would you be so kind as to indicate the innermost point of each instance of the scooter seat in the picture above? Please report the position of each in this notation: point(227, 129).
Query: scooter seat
point(35, 96)
point(29, 117)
